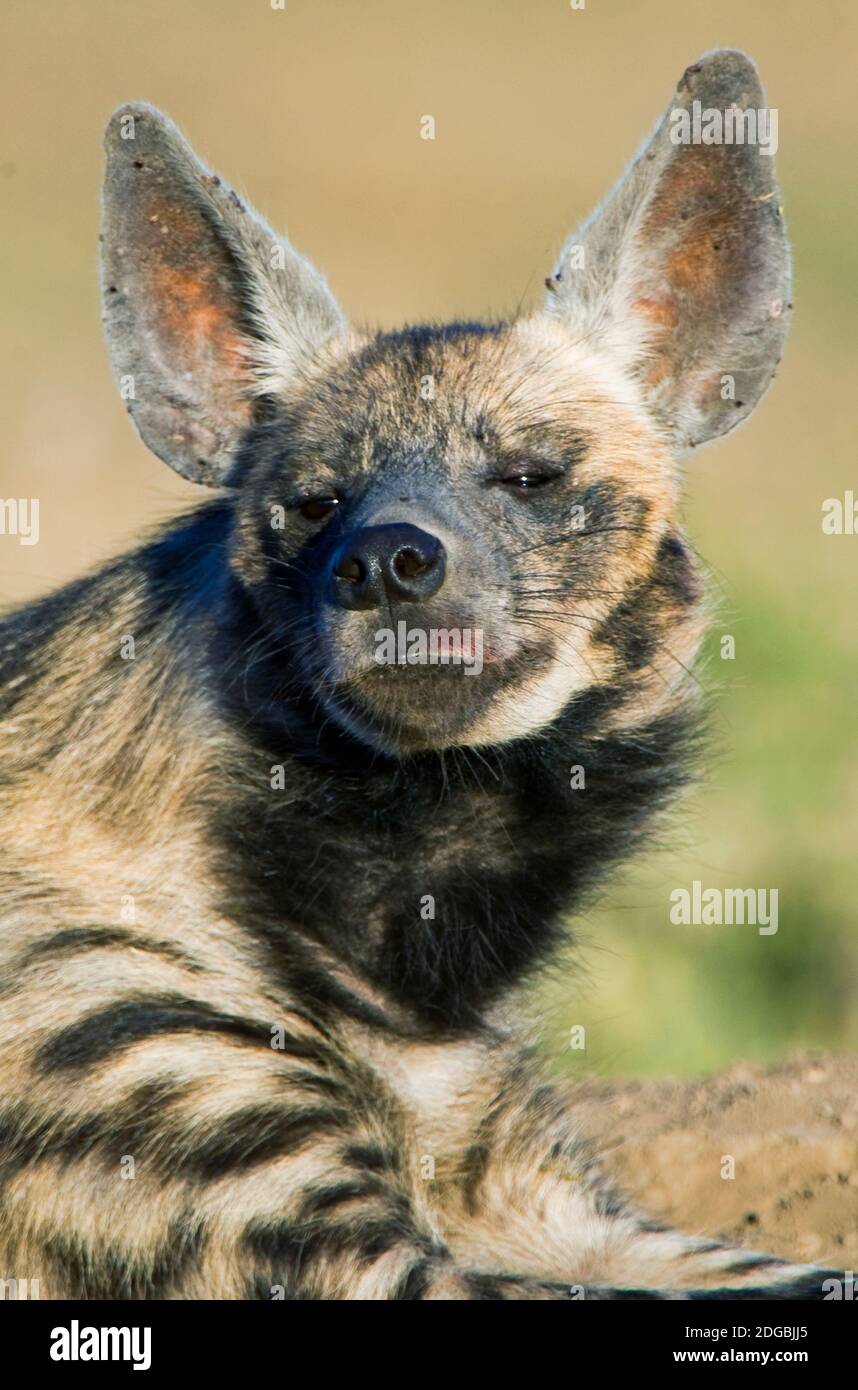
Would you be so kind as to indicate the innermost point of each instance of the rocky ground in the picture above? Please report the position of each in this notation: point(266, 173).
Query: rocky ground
point(791, 1130)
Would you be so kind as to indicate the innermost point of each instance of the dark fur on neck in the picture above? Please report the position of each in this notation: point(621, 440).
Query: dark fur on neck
point(499, 840)
point(347, 853)
point(338, 864)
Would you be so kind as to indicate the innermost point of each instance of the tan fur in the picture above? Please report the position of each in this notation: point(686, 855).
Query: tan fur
point(361, 1149)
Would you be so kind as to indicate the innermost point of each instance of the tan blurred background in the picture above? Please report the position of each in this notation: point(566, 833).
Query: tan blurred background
point(314, 111)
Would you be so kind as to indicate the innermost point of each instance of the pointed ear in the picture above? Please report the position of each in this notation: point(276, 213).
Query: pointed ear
point(205, 308)
point(684, 271)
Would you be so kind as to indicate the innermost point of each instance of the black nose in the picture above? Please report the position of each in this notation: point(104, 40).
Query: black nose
point(398, 562)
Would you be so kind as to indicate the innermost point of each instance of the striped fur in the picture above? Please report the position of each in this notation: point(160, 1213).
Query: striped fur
point(238, 1056)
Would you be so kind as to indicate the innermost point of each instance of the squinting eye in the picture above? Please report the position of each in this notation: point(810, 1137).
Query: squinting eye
point(525, 482)
point(318, 508)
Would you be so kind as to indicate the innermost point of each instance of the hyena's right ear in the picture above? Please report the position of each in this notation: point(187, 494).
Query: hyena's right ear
point(206, 309)
point(683, 274)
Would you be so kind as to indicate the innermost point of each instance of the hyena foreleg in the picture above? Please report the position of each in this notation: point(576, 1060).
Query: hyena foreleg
point(159, 1147)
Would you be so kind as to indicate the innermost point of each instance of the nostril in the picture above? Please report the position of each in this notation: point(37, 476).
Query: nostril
point(396, 560)
point(350, 568)
point(407, 563)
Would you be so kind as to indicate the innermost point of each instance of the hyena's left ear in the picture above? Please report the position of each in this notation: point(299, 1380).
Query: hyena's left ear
point(205, 308)
point(684, 272)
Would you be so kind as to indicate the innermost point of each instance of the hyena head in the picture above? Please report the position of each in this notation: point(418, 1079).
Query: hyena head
point(449, 534)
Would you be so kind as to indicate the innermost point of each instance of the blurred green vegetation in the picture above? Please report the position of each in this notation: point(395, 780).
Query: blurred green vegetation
point(314, 111)
point(776, 809)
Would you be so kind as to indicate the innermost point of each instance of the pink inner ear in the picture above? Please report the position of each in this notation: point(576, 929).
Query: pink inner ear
point(194, 313)
point(663, 313)
point(689, 242)
point(699, 217)
point(192, 302)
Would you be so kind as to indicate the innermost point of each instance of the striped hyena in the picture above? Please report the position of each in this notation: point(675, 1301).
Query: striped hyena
point(268, 899)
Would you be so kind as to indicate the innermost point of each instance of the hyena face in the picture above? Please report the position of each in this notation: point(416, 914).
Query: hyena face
point(450, 534)
point(494, 489)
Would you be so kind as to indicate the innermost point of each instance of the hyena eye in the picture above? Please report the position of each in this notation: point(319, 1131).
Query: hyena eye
point(317, 508)
point(526, 481)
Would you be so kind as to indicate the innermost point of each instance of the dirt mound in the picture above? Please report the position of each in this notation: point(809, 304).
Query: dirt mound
point(791, 1131)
